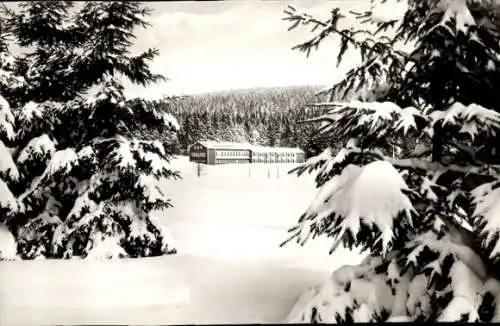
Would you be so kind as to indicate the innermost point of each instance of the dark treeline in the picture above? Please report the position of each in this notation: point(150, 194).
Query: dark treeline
point(262, 116)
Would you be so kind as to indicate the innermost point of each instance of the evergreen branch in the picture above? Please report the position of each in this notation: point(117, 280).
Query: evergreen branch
point(330, 27)
point(492, 171)
point(471, 153)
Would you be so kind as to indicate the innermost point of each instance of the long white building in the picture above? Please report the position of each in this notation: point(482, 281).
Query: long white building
point(211, 152)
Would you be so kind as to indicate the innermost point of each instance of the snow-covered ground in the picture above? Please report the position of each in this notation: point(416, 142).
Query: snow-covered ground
point(228, 224)
point(242, 212)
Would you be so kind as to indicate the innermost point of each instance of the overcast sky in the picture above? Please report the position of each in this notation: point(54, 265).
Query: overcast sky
point(210, 46)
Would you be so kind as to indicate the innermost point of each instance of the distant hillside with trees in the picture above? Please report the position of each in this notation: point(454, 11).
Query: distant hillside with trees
point(262, 116)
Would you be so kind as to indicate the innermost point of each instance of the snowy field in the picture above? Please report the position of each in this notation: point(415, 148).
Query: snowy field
point(228, 224)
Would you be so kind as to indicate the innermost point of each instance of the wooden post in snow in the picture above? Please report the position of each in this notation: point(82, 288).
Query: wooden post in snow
point(198, 169)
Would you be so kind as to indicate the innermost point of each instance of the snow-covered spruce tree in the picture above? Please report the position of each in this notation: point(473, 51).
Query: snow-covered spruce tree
point(9, 173)
point(429, 219)
point(87, 183)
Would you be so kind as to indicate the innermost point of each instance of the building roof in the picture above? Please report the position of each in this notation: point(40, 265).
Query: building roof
point(248, 146)
point(225, 145)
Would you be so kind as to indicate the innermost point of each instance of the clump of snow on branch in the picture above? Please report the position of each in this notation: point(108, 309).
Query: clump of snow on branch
point(457, 11)
point(41, 230)
point(86, 152)
point(124, 155)
point(467, 288)
point(370, 118)
point(473, 118)
point(151, 190)
point(7, 199)
point(37, 147)
point(487, 213)
point(168, 241)
point(34, 117)
point(352, 294)
point(171, 121)
point(6, 120)
point(8, 167)
point(8, 246)
point(371, 195)
point(314, 162)
point(167, 119)
point(384, 118)
point(128, 152)
point(30, 111)
point(106, 248)
point(384, 289)
point(61, 161)
point(110, 91)
point(443, 246)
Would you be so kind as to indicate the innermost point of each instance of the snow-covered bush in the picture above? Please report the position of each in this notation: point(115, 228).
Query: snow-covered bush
point(428, 216)
point(83, 180)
